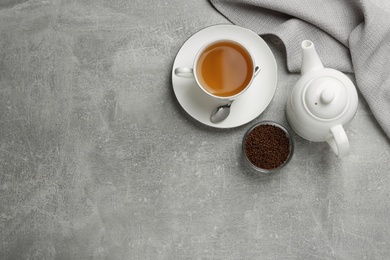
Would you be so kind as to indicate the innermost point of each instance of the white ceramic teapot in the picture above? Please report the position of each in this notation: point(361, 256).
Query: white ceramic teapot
point(322, 102)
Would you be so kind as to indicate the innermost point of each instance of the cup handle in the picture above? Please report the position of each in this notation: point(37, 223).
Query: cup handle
point(338, 141)
point(184, 72)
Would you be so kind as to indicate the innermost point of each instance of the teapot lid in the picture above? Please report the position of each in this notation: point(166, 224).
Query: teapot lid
point(326, 97)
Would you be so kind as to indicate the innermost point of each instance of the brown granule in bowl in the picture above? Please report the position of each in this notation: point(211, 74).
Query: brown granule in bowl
point(267, 146)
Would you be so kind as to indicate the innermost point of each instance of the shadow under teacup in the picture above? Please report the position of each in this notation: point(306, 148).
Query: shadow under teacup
point(224, 69)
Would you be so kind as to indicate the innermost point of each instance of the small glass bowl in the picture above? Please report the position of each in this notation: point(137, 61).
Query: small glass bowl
point(266, 169)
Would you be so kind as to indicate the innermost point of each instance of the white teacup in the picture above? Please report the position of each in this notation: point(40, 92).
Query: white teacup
point(224, 69)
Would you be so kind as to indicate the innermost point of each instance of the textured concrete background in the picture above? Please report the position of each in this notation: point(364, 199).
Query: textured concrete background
point(99, 161)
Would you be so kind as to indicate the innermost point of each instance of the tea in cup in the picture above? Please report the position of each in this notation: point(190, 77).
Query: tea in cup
point(223, 69)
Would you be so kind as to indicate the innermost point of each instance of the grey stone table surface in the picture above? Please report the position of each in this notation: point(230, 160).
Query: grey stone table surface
point(100, 161)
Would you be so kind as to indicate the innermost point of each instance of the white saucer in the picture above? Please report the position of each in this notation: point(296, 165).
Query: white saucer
point(251, 103)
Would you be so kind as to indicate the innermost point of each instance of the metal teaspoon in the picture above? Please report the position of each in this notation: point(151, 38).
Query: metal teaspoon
point(220, 113)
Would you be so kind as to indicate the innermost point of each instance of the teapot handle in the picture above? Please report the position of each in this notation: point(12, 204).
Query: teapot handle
point(338, 141)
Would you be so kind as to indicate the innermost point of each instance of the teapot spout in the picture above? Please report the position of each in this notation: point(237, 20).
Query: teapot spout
point(310, 59)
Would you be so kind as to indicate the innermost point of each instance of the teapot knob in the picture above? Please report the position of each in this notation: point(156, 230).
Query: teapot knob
point(327, 95)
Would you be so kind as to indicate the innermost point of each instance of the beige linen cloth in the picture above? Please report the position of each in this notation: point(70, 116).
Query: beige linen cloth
point(349, 35)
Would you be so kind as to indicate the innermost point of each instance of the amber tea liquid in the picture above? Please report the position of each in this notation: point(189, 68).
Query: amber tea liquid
point(224, 69)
